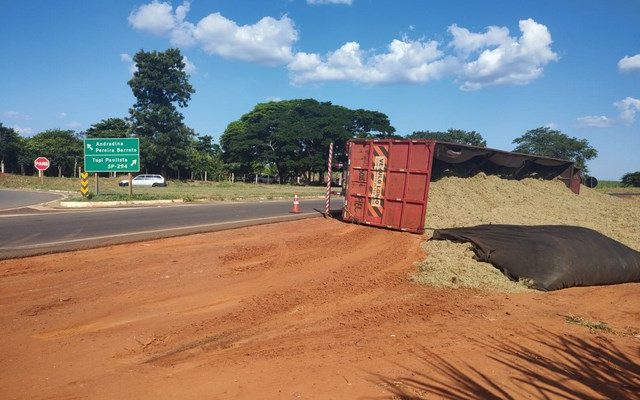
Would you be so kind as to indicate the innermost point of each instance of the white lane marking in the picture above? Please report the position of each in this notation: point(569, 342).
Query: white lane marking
point(35, 246)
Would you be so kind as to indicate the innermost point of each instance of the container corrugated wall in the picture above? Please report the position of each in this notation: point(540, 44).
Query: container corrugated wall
point(388, 183)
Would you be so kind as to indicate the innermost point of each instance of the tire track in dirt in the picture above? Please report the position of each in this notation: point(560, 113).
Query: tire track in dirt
point(357, 261)
point(315, 309)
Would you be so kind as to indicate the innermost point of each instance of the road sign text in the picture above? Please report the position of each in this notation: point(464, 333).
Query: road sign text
point(112, 155)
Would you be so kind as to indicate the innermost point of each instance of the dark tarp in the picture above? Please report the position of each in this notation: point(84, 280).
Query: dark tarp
point(465, 160)
point(552, 256)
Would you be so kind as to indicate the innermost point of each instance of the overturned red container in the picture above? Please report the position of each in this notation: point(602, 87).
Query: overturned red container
point(388, 183)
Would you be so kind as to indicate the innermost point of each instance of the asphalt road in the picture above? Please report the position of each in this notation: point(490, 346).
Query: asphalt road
point(10, 199)
point(47, 232)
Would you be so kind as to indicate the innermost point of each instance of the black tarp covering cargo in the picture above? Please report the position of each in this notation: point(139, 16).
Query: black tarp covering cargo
point(551, 256)
point(464, 160)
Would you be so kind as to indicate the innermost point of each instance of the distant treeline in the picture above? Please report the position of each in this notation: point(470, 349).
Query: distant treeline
point(286, 139)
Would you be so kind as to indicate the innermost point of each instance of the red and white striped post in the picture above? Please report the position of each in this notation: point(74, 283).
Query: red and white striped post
point(327, 199)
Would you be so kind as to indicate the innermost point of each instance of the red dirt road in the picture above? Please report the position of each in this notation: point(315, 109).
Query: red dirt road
point(311, 309)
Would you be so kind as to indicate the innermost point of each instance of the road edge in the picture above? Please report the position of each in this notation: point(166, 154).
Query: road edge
point(121, 239)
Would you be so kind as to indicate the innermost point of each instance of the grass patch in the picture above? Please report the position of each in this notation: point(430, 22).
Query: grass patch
point(609, 184)
point(593, 326)
point(185, 190)
point(615, 187)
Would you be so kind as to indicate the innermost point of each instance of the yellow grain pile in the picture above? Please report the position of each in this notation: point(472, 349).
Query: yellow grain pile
point(482, 199)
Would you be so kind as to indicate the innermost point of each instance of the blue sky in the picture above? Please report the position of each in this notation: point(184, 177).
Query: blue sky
point(497, 67)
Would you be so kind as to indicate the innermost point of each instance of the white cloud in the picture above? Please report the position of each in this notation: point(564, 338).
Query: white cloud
point(594, 121)
point(160, 19)
point(476, 60)
point(348, 2)
point(552, 125)
point(75, 125)
point(23, 130)
point(127, 59)
point(268, 41)
point(406, 61)
point(503, 59)
point(189, 67)
point(16, 115)
point(274, 98)
point(155, 17)
point(628, 108)
point(62, 115)
point(467, 42)
point(627, 64)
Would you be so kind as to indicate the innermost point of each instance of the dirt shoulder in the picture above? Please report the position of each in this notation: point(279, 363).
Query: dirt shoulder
point(327, 312)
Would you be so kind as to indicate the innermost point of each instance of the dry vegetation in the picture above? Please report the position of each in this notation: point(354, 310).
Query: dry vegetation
point(456, 202)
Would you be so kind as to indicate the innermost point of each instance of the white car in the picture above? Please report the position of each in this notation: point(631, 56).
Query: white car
point(145, 180)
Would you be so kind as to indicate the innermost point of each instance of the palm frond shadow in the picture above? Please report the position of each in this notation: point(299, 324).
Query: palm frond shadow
point(577, 369)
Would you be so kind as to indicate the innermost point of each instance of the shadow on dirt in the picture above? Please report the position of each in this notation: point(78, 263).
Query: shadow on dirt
point(335, 214)
point(576, 369)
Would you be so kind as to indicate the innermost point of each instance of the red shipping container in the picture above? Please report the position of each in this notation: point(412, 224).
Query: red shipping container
point(388, 183)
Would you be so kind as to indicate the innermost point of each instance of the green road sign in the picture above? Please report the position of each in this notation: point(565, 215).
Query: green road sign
point(112, 155)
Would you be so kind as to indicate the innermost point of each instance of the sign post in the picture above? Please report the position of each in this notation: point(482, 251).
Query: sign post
point(84, 183)
point(42, 164)
point(112, 155)
point(327, 203)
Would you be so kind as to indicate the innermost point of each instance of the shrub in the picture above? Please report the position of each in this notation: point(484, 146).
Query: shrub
point(631, 179)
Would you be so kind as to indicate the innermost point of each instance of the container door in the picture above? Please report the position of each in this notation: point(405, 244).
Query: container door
point(388, 183)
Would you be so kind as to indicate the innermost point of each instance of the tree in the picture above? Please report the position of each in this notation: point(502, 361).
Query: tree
point(293, 136)
point(367, 124)
point(11, 146)
point(109, 128)
point(545, 141)
point(158, 85)
point(631, 179)
point(205, 156)
point(472, 138)
point(62, 147)
point(25, 156)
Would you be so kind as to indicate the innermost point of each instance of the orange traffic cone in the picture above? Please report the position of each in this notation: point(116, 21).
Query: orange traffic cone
point(296, 205)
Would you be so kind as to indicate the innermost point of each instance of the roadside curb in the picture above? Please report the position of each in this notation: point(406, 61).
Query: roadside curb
point(40, 206)
point(106, 204)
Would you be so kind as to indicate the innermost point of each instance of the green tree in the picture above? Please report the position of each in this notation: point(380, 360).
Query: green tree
point(549, 142)
point(11, 146)
point(109, 128)
point(159, 84)
point(472, 138)
point(368, 124)
point(631, 179)
point(294, 136)
point(62, 147)
point(206, 156)
point(25, 156)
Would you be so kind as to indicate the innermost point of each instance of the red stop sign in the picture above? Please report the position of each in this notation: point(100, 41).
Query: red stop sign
point(41, 163)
